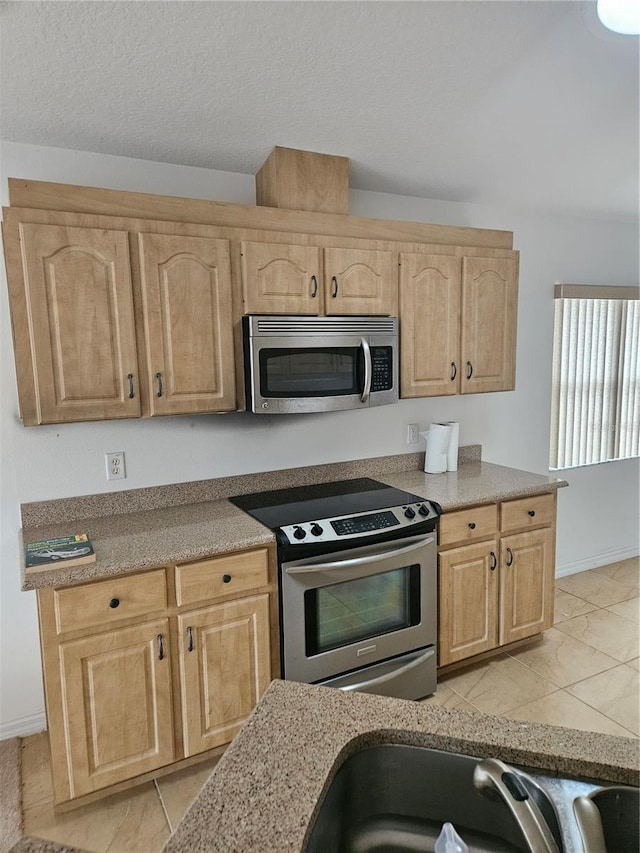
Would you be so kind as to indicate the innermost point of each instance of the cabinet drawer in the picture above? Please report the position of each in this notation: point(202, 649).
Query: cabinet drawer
point(468, 525)
point(233, 573)
point(100, 604)
point(535, 511)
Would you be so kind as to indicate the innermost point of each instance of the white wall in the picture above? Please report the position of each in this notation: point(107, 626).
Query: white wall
point(598, 514)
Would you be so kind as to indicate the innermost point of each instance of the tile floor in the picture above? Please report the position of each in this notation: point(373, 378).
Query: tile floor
point(584, 673)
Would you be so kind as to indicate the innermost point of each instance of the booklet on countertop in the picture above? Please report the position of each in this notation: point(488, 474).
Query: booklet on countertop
point(64, 551)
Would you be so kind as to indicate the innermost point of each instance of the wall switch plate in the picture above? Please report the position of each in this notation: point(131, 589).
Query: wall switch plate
point(412, 433)
point(115, 465)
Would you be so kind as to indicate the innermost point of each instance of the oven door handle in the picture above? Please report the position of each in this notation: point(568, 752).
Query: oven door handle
point(389, 676)
point(359, 561)
point(368, 370)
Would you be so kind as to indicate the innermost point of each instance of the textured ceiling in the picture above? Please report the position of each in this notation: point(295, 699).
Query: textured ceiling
point(523, 103)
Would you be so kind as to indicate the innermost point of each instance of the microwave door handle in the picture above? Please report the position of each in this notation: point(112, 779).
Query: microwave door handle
point(366, 351)
point(389, 676)
point(358, 561)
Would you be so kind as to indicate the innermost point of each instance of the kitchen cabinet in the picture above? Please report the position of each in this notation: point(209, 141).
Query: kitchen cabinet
point(458, 324)
point(78, 358)
point(117, 323)
point(145, 670)
point(278, 278)
point(224, 669)
point(496, 567)
point(185, 287)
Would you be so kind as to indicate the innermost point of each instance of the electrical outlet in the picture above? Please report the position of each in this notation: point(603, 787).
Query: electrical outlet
point(115, 465)
point(412, 433)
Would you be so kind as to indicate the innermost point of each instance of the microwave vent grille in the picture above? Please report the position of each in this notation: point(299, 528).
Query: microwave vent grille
point(324, 325)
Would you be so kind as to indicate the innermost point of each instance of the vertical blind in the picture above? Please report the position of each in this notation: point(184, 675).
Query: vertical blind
point(595, 408)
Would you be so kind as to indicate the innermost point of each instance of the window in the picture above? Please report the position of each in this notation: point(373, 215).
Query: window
point(595, 406)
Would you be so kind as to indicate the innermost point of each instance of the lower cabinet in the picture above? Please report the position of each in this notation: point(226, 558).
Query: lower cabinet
point(138, 682)
point(223, 669)
point(496, 568)
point(117, 705)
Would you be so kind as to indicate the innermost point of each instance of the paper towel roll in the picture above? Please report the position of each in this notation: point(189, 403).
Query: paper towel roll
point(452, 449)
point(435, 458)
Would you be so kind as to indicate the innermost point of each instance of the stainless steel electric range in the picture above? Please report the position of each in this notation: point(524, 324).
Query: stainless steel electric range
point(357, 580)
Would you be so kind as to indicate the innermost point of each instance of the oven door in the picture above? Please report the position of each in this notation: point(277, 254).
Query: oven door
point(348, 610)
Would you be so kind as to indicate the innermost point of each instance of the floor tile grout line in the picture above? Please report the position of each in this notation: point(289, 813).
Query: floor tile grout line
point(164, 808)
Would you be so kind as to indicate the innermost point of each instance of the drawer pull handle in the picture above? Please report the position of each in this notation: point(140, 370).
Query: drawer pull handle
point(334, 286)
point(532, 512)
point(469, 370)
point(314, 282)
point(160, 647)
point(115, 602)
point(510, 560)
point(130, 379)
point(454, 370)
point(159, 381)
point(226, 578)
point(494, 561)
point(472, 525)
point(189, 639)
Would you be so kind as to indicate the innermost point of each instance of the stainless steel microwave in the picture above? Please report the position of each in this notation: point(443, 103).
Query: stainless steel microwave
point(319, 364)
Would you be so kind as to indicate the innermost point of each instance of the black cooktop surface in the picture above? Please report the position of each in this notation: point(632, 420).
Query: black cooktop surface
point(321, 501)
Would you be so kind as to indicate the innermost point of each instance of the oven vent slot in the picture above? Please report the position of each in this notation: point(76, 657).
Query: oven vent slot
point(324, 325)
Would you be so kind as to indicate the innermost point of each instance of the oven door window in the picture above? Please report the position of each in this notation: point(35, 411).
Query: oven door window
point(311, 372)
point(349, 612)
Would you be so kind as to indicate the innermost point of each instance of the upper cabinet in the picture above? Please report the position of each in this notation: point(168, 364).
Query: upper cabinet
point(458, 323)
point(78, 360)
point(112, 323)
point(185, 286)
point(279, 278)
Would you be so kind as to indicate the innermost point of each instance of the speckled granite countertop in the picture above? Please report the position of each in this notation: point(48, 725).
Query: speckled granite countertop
point(135, 530)
point(264, 791)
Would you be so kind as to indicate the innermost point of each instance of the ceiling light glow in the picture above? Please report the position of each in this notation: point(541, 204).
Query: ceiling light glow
point(621, 16)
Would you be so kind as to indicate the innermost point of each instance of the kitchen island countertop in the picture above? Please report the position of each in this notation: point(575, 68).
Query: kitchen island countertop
point(264, 792)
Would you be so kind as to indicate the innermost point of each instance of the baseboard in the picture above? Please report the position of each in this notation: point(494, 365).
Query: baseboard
point(23, 726)
point(596, 561)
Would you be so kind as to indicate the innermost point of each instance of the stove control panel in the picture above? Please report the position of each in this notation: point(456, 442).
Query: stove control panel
point(360, 524)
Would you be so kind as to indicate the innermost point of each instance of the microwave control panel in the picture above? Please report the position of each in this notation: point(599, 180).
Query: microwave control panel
point(382, 368)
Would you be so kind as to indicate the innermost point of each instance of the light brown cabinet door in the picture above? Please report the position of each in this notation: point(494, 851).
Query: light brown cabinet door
point(278, 278)
point(489, 316)
point(526, 584)
point(117, 705)
point(224, 669)
point(429, 325)
point(186, 302)
point(80, 304)
point(468, 601)
point(358, 281)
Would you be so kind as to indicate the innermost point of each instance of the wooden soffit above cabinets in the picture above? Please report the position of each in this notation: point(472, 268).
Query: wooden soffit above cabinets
point(304, 180)
point(41, 195)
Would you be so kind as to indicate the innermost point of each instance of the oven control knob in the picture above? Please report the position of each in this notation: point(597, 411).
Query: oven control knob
point(423, 510)
point(316, 529)
point(299, 533)
point(409, 513)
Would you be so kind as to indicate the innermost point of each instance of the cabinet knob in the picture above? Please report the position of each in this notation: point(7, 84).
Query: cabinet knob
point(472, 525)
point(226, 578)
point(115, 602)
point(532, 512)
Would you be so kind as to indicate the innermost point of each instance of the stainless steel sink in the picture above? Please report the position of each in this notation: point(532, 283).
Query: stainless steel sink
point(392, 798)
point(609, 819)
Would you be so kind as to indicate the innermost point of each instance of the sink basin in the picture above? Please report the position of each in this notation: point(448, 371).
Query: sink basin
point(393, 797)
point(615, 822)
